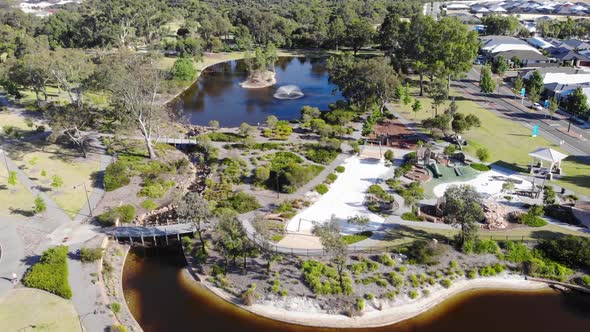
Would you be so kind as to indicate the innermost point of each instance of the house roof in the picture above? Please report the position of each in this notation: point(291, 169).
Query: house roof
point(495, 44)
point(565, 54)
point(522, 55)
point(548, 154)
point(539, 42)
point(576, 44)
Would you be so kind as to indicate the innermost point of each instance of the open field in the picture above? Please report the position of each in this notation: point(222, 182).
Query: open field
point(508, 142)
point(14, 198)
point(36, 310)
point(42, 164)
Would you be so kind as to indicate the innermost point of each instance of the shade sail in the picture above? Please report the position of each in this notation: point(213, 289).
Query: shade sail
point(548, 154)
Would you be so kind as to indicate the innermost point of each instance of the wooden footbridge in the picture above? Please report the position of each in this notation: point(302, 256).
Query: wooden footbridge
point(561, 285)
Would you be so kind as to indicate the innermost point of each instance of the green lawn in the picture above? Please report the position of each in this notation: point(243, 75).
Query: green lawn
point(36, 310)
point(67, 164)
point(15, 199)
point(508, 142)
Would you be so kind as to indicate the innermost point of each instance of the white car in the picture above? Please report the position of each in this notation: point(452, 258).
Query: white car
point(537, 106)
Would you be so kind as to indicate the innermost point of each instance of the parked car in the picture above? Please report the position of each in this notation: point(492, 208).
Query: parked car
point(537, 106)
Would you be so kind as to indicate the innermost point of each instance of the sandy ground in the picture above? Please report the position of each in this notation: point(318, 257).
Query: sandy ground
point(301, 241)
point(484, 184)
point(345, 198)
point(304, 311)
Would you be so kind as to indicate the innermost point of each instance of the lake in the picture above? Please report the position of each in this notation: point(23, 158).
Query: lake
point(217, 94)
point(164, 298)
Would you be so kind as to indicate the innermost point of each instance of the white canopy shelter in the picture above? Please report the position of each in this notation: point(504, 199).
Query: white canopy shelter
point(551, 156)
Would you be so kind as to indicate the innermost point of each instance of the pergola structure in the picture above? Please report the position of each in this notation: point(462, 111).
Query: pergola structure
point(551, 156)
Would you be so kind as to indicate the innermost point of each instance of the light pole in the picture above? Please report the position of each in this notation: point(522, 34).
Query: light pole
point(5, 160)
point(87, 198)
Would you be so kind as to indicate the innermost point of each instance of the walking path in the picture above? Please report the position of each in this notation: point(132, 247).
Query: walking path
point(17, 255)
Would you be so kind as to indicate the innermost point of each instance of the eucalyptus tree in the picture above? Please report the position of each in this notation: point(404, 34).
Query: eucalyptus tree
point(193, 208)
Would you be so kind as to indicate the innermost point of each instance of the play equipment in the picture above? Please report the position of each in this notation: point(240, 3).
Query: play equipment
point(458, 171)
point(434, 166)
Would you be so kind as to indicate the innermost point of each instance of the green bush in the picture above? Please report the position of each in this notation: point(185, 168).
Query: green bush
point(446, 283)
point(480, 167)
point(117, 328)
point(411, 216)
point(321, 188)
point(386, 260)
point(323, 280)
point(39, 205)
point(572, 251)
point(472, 274)
point(88, 255)
point(155, 188)
point(183, 69)
point(483, 154)
point(51, 273)
point(320, 154)
point(149, 205)
point(224, 137)
point(125, 214)
point(486, 247)
point(243, 202)
point(413, 294)
point(115, 307)
point(388, 155)
point(585, 280)
point(340, 169)
point(332, 177)
point(360, 304)
point(450, 149)
point(116, 176)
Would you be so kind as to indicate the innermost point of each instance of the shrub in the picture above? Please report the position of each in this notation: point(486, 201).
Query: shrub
point(39, 205)
point(480, 167)
point(386, 260)
point(450, 149)
point(411, 216)
point(243, 202)
point(395, 280)
point(320, 154)
point(423, 252)
point(388, 155)
point(51, 273)
point(483, 154)
point(12, 178)
point(413, 294)
point(115, 307)
point(88, 255)
point(585, 280)
point(116, 176)
point(56, 181)
point(117, 328)
point(155, 188)
point(572, 251)
point(125, 214)
point(183, 69)
point(262, 174)
point(486, 247)
point(321, 188)
point(360, 304)
point(369, 296)
point(332, 177)
point(149, 205)
point(446, 283)
point(471, 274)
point(339, 169)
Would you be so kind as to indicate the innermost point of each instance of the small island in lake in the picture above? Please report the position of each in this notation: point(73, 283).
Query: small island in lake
point(260, 65)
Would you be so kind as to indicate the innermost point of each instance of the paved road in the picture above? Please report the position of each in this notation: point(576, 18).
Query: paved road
point(511, 108)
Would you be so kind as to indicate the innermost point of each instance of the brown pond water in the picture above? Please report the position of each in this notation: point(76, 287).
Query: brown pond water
point(163, 297)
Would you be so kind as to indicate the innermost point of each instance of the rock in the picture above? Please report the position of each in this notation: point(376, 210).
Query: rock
point(496, 215)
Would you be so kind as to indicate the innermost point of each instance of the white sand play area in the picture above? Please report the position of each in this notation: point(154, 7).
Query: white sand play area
point(485, 184)
point(345, 197)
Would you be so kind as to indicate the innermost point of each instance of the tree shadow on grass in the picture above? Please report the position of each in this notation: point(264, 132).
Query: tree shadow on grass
point(399, 232)
point(511, 166)
point(22, 212)
point(97, 179)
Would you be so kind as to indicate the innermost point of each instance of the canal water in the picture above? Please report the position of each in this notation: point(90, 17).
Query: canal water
point(162, 297)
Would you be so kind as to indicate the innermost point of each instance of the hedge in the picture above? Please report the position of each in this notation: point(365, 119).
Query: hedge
point(480, 167)
point(125, 214)
point(51, 273)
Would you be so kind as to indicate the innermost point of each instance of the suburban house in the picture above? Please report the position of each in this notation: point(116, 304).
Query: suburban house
point(539, 43)
point(527, 58)
point(561, 91)
point(494, 44)
point(568, 57)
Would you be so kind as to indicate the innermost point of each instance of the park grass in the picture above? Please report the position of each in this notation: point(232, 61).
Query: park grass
point(15, 120)
point(357, 237)
point(508, 142)
point(22, 309)
point(73, 169)
point(14, 199)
